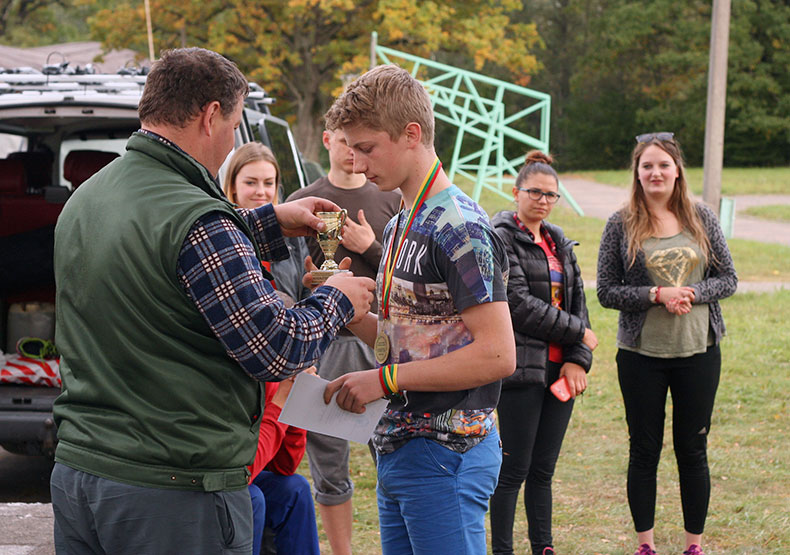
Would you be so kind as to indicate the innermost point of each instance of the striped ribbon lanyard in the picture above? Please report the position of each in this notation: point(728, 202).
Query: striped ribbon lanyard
point(389, 265)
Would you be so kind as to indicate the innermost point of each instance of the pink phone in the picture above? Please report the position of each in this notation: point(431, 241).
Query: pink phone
point(561, 390)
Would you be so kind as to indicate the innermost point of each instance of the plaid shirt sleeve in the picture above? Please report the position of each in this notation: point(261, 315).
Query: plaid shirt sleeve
point(266, 231)
point(220, 273)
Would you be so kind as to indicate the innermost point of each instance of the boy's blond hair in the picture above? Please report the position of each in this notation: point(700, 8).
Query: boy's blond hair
point(386, 98)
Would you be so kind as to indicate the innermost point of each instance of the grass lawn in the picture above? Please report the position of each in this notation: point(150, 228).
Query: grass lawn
point(749, 451)
point(778, 212)
point(734, 181)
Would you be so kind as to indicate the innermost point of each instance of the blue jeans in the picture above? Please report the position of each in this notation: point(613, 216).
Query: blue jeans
point(258, 517)
point(433, 500)
point(284, 504)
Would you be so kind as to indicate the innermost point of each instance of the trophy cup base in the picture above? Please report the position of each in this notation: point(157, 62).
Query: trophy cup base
point(320, 276)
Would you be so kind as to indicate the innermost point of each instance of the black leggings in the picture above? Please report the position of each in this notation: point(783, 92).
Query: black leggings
point(532, 424)
point(693, 382)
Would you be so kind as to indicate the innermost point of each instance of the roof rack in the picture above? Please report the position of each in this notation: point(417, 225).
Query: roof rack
point(23, 82)
point(128, 80)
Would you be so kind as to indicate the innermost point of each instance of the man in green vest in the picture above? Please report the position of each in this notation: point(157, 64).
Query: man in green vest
point(167, 326)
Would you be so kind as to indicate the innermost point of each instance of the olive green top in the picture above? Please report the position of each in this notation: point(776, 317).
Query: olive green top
point(674, 262)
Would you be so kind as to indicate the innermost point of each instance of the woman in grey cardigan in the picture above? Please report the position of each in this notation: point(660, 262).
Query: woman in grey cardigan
point(664, 264)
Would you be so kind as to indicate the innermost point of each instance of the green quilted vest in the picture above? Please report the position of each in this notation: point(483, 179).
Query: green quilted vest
point(150, 396)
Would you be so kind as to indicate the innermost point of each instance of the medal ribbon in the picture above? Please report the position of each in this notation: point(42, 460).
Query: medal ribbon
point(389, 265)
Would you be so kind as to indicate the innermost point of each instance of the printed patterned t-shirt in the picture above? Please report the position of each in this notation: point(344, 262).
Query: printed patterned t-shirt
point(451, 260)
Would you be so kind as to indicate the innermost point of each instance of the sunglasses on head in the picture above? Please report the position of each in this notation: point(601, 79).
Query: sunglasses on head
point(661, 136)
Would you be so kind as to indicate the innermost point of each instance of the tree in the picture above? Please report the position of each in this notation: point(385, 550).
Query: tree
point(302, 50)
point(758, 97)
point(566, 31)
point(658, 54)
point(38, 22)
point(616, 68)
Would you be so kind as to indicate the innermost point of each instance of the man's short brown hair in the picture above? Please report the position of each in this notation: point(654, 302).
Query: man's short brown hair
point(386, 98)
point(184, 80)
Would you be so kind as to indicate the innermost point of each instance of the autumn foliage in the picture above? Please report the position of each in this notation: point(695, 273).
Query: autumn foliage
point(301, 51)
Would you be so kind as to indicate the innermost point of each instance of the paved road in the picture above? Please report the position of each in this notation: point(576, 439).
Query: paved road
point(600, 201)
point(25, 510)
point(26, 529)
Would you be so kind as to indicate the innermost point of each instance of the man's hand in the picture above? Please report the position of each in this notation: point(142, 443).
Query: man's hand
point(359, 291)
point(310, 267)
point(576, 376)
point(284, 389)
point(355, 390)
point(297, 217)
point(357, 237)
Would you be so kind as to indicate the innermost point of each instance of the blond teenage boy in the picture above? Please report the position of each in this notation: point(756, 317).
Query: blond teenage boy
point(369, 210)
point(442, 336)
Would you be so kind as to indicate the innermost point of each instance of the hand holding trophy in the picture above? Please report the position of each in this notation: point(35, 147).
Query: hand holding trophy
point(328, 240)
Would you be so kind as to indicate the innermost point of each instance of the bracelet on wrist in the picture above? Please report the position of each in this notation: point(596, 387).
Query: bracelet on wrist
point(388, 377)
point(382, 382)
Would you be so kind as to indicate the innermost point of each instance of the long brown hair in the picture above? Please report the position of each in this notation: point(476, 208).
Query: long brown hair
point(250, 152)
point(640, 224)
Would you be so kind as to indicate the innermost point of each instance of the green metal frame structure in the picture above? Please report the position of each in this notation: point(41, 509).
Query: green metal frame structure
point(455, 95)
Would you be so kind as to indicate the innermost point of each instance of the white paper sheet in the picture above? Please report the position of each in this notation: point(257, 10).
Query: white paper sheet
point(305, 408)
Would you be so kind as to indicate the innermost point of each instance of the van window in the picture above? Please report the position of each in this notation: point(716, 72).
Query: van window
point(11, 143)
point(106, 145)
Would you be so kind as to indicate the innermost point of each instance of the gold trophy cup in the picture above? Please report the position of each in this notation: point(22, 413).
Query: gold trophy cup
point(328, 240)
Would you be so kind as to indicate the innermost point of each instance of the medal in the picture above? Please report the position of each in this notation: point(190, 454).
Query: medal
point(381, 348)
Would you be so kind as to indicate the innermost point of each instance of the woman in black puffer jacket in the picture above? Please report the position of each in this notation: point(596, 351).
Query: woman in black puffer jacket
point(553, 340)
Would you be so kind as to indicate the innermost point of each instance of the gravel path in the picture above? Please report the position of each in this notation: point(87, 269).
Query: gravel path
point(600, 201)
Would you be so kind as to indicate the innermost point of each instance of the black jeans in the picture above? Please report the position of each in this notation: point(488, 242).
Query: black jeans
point(693, 382)
point(532, 424)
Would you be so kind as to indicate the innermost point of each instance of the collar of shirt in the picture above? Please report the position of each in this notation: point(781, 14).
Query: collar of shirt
point(167, 142)
point(544, 233)
point(161, 139)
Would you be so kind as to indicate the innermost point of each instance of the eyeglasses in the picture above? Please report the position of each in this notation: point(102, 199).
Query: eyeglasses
point(661, 136)
point(535, 194)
